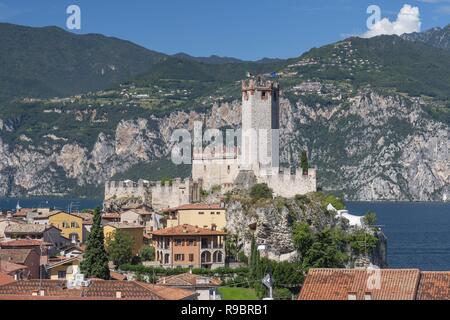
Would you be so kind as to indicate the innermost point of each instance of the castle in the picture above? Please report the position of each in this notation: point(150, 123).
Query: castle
point(254, 155)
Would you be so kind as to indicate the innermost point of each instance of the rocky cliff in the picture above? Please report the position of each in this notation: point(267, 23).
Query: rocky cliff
point(271, 223)
point(369, 146)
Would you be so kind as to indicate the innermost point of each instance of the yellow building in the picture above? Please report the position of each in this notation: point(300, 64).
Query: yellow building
point(135, 231)
point(209, 216)
point(73, 226)
point(64, 269)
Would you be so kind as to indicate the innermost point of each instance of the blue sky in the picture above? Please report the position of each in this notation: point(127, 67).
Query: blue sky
point(246, 29)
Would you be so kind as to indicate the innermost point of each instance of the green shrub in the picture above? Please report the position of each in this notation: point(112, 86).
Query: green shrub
point(147, 253)
point(261, 191)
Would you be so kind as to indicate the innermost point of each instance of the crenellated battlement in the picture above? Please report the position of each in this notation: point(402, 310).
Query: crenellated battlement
point(259, 84)
point(155, 193)
point(287, 184)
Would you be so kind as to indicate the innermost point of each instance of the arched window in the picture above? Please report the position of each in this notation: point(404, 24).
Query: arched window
point(218, 257)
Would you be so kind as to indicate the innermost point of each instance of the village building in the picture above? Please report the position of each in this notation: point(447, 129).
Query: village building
point(90, 289)
point(149, 219)
point(134, 230)
point(47, 233)
point(74, 226)
point(5, 222)
point(17, 271)
point(26, 257)
point(209, 216)
point(39, 246)
point(206, 287)
point(189, 246)
point(63, 268)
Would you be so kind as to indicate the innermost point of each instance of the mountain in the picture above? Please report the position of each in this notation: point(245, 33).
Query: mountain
point(436, 37)
point(214, 59)
point(49, 61)
point(374, 115)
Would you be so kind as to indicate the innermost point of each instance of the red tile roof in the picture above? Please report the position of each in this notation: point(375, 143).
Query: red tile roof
point(337, 284)
point(189, 280)
point(434, 286)
point(200, 206)
point(5, 279)
point(24, 243)
point(15, 255)
point(186, 229)
point(9, 267)
point(97, 290)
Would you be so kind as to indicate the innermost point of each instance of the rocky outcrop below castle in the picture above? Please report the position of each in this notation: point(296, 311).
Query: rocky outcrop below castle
point(271, 223)
point(369, 146)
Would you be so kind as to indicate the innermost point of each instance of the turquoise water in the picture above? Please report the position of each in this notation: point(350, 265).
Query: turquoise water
point(418, 232)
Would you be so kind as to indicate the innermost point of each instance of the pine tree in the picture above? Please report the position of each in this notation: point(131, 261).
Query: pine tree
point(95, 259)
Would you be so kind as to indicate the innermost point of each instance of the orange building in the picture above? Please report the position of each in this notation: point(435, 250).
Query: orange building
point(189, 246)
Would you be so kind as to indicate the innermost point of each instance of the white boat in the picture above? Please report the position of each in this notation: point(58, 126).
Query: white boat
point(444, 197)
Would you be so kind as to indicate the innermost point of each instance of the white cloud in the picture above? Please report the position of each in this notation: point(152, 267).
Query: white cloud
point(408, 21)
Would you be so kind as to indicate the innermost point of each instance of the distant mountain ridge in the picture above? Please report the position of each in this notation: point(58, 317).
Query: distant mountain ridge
point(49, 61)
point(436, 37)
point(374, 115)
point(215, 59)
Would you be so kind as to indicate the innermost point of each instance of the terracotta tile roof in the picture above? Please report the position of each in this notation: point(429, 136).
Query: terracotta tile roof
point(113, 215)
point(24, 243)
point(189, 280)
point(15, 255)
point(97, 290)
point(5, 279)
point(124, 225)
point(117, 276)
point(186, 229)
point(434, 286)
point(167, 293)
point(26, 228)
point(200, 206)
point(9, 267)
point(22, 212)
point(337, 284)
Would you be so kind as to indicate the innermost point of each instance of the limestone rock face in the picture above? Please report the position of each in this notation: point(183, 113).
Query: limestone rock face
point(271, 222)
point(369, 146)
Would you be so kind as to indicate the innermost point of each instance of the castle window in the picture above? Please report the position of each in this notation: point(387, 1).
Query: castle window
point(263, 95)
point(228, 169)
point(179, 257)
point(201, 212)
point(191, 257)
point(204, 168)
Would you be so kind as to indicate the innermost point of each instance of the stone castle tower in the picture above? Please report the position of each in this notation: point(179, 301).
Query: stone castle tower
point(260, 126)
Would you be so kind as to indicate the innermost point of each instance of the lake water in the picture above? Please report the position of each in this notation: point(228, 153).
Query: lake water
point(57, 203)
point(418, 232)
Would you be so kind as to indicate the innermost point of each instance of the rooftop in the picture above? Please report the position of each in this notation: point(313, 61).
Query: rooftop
point(186, 229)
point(189, 280)
point(434, 286)
point(10, 267)
point(24, 243)
point(15, 255)
point(339, 284)
point(5, 278)
point(96, 290)
point(26, 228)
point(124, 225)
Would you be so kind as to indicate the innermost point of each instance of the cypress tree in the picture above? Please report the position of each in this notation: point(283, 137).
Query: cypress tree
point(304, 162)
point(95, 259)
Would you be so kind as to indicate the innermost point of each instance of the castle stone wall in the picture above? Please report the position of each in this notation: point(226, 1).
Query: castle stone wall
point(289, 185)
